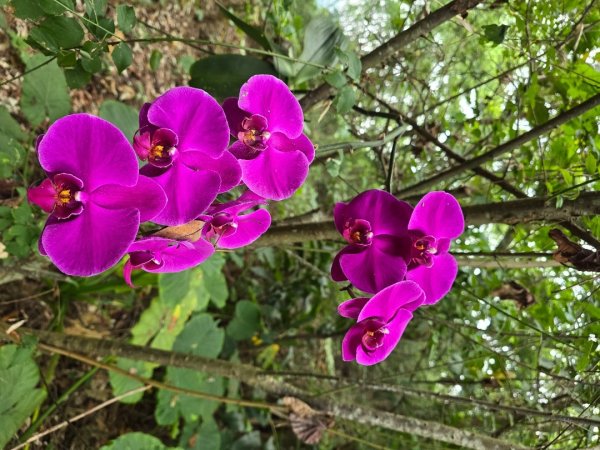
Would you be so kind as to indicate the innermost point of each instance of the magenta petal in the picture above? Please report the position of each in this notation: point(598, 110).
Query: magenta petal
point(189, 192)
point(270, 97)
point(438, 214)
point(180, 256)
point(147, 196)
point(91, 242)
point(372, 269)
point(250, 228)
point(196, 118)
point(226, 166)
point(143, 116)
point(89, 148)
point(235, 116)
point(396, 328)
point(275, 175)
point(301, 143)
point(43, 195)
point(385, 213)
point(337, 274)
point(352, 341)
point(352, 308)
point(436, 281)
point(127, 270)
point(242, 151)
point(405, 294)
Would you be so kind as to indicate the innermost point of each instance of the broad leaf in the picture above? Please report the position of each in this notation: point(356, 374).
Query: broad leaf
point(123, 116)
point(246, 321)
point(223, 75)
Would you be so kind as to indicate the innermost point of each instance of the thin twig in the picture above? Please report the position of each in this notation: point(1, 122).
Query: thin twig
point(84, 414)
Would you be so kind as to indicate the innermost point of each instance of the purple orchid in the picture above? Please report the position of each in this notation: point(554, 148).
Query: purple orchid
point(381, 321)
point(184, 136)
point(228, 229)
point(375, 225)
point(436, 220)
point(267, 120)
point(161, 255)
point(93, 193)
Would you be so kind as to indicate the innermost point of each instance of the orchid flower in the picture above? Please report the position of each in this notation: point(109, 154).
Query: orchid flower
point(375, 226)
point(435, 221)
point(273, 153)
point(184, 136)
point(230, 229)
point(161, 255)
point(94, 195)
point(381, 321)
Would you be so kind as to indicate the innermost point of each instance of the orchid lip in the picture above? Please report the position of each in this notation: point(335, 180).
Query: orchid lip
point(374, 335)
point(358, 232)
point(423, 250)
point(61, 195)
point(255, 133)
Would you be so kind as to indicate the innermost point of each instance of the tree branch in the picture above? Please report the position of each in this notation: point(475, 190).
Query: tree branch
point(512, 213)
point(504, 148)
point(252, 376)
point(401, 40)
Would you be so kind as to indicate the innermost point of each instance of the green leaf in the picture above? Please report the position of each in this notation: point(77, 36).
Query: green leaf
point(9, 127)
point(495, 33)
point(245, 322)
point(223, 75)
point(345, 99)
point(45, 93)
point(250, 441)
point(255, 33)
point(155, 58)
point(100, 26)
point(354, 66)
point(67, 59)
point(137, 441)
point(77, 77)
point(208, 436)
point(121, 384)
point(95, 8)
point(56, 7)
point(214, 280)
point(57, 32)
point(28, 9)
point(201, 336)
point(321, 38)
point(19, 376)
point(591, 164)
point(123, 116)
point(126, 18)
point(122, 56)
point(336, 79)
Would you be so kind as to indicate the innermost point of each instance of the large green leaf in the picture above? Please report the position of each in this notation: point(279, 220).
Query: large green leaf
point(246, 321)
point(201, 337)
point(19, 376)
point(255, 33)
point(223, 75)
point(123, 116)
point(180, 294)
point(321, 38)
point(215, 281)
point(57, 32)
point(137, 441)
point(45, 93)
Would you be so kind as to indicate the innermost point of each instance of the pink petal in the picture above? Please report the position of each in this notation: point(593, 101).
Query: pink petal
point(147, 196)
point(396, 328)
point(270, 97)
point(281, 142)
point(352, 308)
point(196, 118)
point(189, 192)
point(235, 116)
point(250, 228)
point(226, 166)
point(275, 175)
point(89, 148)
point(437, 280)
point(351, 342)
point(373, 269)
point(91, 242)
point(406, 295)
point(438, 214)
point(385, 213)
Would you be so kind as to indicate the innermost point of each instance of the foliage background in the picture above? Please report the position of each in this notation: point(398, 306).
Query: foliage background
point(474, 82)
